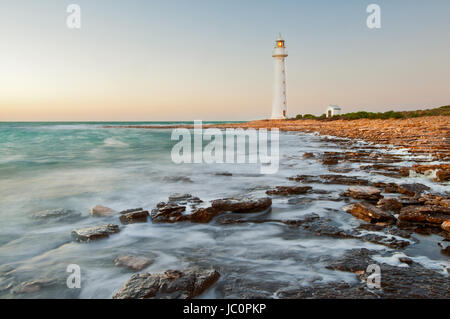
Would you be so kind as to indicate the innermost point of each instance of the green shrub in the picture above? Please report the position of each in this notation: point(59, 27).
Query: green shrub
point(442, 111)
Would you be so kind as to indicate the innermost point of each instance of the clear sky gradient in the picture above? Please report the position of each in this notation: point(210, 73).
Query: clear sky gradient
point(211, 59)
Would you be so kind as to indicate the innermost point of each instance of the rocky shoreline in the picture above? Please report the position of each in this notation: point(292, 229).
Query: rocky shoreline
point(423, 135)
point(389, 214)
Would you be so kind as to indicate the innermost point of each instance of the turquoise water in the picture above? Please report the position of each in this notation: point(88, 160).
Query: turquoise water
point(79, 165)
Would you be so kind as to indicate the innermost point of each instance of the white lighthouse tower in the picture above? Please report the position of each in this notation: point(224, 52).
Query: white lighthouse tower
point(279, 54)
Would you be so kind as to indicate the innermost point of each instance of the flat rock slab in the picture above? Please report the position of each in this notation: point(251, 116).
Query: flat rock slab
point(174, 212)
point(343, 180)
point(59, 214)
point(330, 179)
point(132, 262)
point(289, 190)
point(242, 205)
point(168, 213)
point(435, 199)
point(430, 214)
point(369, 213)
point(354, 260)
point(203, 215)
point(412, 189)
point(364, 192)
point(130, 217)
point(179, 197)
point(172, 284)
point(102, 211)
point(94, 232)
point(389, 204)
point(131, 210)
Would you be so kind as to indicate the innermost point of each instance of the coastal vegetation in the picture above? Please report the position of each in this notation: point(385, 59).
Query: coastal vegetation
point(440, 111)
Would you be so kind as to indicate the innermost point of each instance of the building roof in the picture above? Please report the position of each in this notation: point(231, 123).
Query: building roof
point(335, 107)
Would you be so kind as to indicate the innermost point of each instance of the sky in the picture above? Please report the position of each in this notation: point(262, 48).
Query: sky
point(144, 60)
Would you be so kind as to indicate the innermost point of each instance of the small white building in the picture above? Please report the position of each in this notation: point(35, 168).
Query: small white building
point(333, 110)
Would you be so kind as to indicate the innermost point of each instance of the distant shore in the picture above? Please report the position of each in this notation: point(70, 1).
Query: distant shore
point(427, 135)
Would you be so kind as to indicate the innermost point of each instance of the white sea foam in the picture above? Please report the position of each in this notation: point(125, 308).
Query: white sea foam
point(394, 260)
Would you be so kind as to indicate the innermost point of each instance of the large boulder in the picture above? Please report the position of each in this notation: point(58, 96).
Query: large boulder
point(363, 192)
point(102, 211)
point(87, 234)
point(369, 213)
point(242, 205)
point(172, 284)
point(134, 216)
point(289, 190)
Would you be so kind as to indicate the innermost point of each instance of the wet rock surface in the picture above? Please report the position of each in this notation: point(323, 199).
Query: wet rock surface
point(176, 210)
point(446, 226)
point(32, 286)
point(134, 216)
point(289, 190)
point(413, 281)
point(59, 214)
point(363, 192)
point(389, 204)
point(203, 215)
point(179, 197)
point(323, 227)
point(133, 263)
point(172, 284)
point(102, 211)
point(228, 220)
point(425, 214)
point(369, 213)
point(242, 205)
point(91, 233)
point(330, 179)
point(168, 213)
point(412, 189)
point(441, 171)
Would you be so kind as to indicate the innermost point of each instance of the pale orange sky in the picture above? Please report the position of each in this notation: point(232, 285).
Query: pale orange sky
point(211, 60)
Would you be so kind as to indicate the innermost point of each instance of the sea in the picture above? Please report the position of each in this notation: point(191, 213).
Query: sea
point(76, 166)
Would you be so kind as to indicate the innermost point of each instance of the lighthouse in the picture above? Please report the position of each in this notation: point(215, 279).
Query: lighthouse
point(279, 55)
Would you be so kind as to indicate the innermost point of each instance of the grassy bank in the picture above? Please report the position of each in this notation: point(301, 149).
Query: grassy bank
point(443, 110)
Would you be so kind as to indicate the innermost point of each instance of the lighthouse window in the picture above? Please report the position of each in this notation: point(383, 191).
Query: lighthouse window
point(280, 44)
